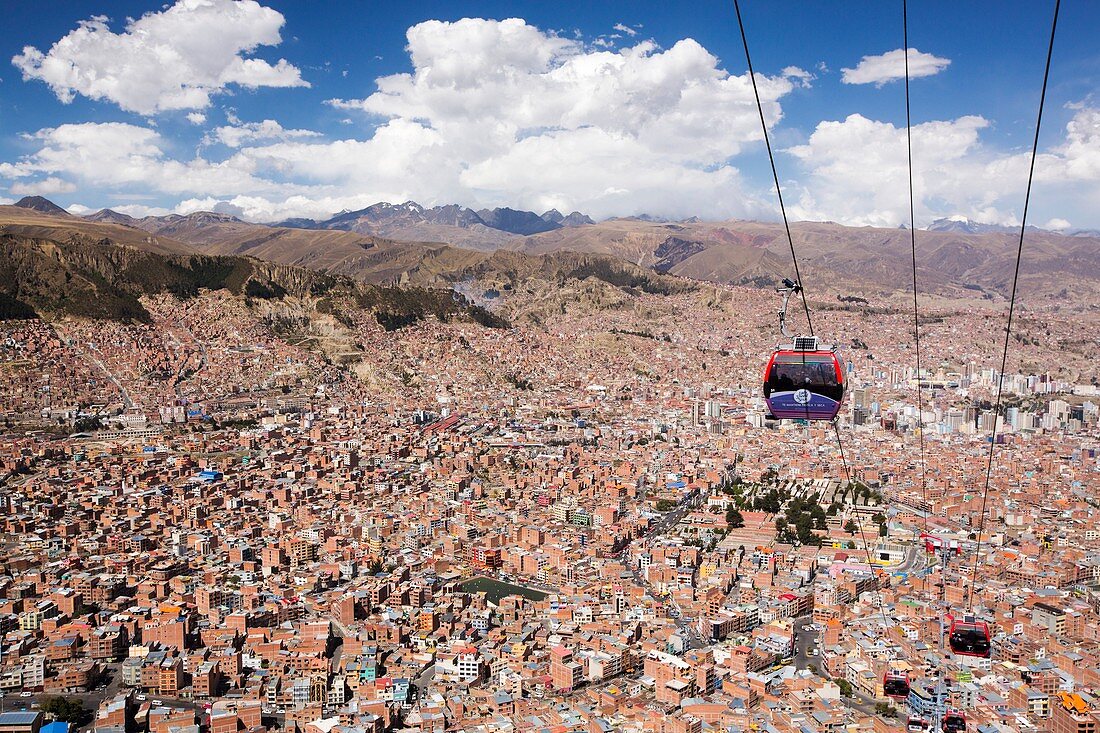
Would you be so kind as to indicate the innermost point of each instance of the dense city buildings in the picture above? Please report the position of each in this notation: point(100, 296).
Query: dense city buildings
point(582, 524)
point(377, 370)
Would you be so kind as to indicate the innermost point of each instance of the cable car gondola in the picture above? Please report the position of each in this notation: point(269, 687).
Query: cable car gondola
point(803, 380)
point(917, 725)
point(895, 684)
point(970, 638)
point(954, 722)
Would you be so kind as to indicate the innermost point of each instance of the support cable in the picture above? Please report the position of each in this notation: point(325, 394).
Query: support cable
point(862, 536)
point(771, 159)
point(913, 248)
point(1011, 312)
point(798, 274)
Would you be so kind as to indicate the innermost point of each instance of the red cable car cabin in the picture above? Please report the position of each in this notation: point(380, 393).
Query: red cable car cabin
point(970, 638)
point(804, 382)
point(954, 722)
point(895, 684)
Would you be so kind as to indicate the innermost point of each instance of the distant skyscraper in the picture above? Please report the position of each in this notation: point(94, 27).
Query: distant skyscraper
point(954, 420)
point(987, 420)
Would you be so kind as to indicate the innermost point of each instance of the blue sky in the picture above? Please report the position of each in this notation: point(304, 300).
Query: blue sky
point(540, 115)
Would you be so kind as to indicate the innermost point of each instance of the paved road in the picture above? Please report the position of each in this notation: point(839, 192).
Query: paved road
point(914, 559)
point(129, 403)
point(667, 522)
point(861, 702)
point(804, 642)
point(419, 685)
point(92, 699)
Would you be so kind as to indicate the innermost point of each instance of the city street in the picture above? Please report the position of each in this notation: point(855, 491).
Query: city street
point(91, 699)
point(804, 642)
point(693, 640)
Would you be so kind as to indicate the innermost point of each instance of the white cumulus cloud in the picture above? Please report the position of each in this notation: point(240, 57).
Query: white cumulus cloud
point(500, 113)
point(169, 60)
point(135, 210)
point(890, 66)
point(240, 133)
point(1081, 149)
point(43, 187)
point(494, 113)
point(498, 95)
point(799, 77)
point(120, 155)
point(856, 173)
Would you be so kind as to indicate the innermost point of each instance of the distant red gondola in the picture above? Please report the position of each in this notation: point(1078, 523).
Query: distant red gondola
point(895, 684)
point(954, 722)
point(970, 638)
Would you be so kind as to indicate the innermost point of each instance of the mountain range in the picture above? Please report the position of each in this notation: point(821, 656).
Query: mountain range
point(99, 266)
point(444, 244)
point(963, 225)
point(864, 260)
point(411, 213)
point(488, 227)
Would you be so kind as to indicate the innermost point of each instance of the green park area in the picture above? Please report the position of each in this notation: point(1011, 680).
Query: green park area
point(495, 589)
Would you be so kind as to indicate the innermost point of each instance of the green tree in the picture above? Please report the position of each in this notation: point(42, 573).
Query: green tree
point(769, 502)
point(885, 710)
point(70, 711)
point(805, 530)
point(88, 424)
point(851, 527)
point(734, 518)
point(844, 685)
